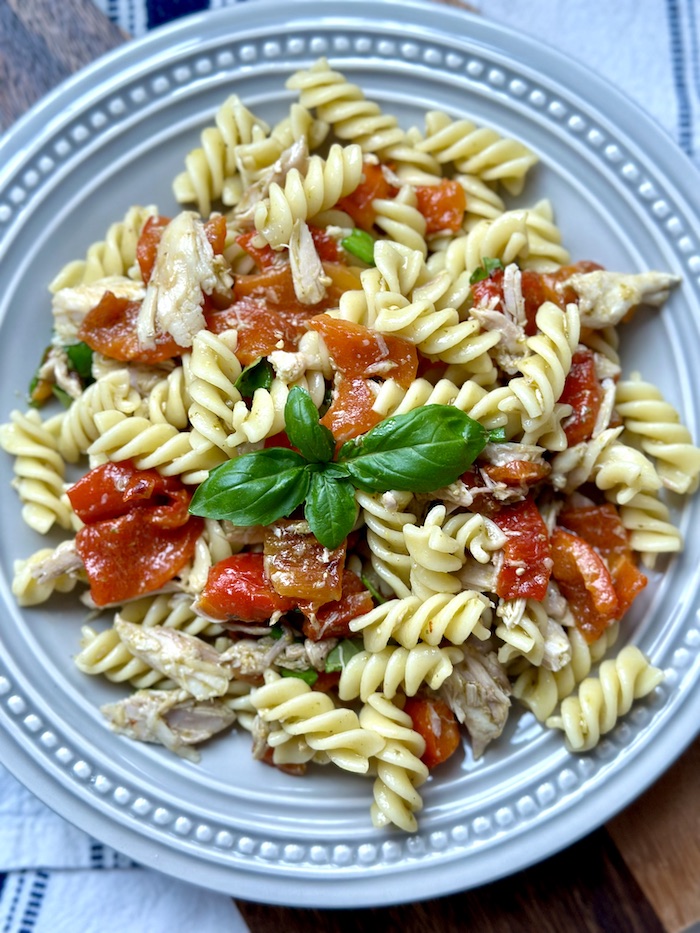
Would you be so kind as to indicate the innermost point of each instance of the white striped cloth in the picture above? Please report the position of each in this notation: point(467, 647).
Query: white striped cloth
point(55, 878)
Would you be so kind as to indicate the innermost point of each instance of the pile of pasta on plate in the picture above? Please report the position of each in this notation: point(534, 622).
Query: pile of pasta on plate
point(354, 465)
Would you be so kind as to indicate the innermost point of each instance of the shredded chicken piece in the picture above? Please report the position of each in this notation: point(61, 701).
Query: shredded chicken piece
point(606, 297)
point(70, 305)
point(502, 454)
point(481, 577)
point(56, 370)
point(190, 662)
point(63, 560)
point(170, 718)
point(184, 271)
point(513, 301)
point(296, 156)
point(308, 275)
point(477, 691)
point(557, 647)
point(288, 366)
point(508, 318)
point(249, 659)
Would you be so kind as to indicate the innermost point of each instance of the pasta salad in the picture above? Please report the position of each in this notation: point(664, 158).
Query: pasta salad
point(359, 470)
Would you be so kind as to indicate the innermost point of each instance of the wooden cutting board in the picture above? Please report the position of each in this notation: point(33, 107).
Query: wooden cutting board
point(638, 874)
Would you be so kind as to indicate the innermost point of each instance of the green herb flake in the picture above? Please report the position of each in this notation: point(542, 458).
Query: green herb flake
point(374, 592)
point(497, 436)
point(80, 359)
point(257, 375)
point(360, 244)
point(484, 270)
point(341, 654)
point(309, 677)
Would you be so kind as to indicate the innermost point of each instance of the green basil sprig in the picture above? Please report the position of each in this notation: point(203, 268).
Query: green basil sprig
point(420, 451)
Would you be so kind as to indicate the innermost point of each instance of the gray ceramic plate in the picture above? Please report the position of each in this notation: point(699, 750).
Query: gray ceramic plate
point(624, 195)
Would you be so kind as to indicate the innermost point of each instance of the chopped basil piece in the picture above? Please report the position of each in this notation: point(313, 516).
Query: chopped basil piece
point(309, 677)
point(484, 270)
point(257, 375)
point(341, 654)
point(360, 244)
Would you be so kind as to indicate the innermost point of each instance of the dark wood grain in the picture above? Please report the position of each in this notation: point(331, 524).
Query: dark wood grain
point(41, 43)
point(641, 874)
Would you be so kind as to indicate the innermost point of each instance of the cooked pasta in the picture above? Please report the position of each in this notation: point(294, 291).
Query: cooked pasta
point(350, 462)
point(115, 255)
point(399, 767)
point(604, 699)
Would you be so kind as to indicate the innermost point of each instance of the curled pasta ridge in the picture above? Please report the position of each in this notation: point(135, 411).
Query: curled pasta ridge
point(602, 700)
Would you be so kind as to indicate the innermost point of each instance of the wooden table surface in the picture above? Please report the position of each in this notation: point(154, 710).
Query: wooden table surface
point(638, 874)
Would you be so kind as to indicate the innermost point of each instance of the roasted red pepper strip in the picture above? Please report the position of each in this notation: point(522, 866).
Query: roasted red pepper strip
point(332, 619)
point(585, 581)
point(300, 567)
point(583, 391)
point(138, 533)
point(113, 489)
point(130, 556)
point(267, 314)
point(358, 204)
point(527, 560)
point(110, 328)
point(435, 722)
point(442, 205)
point(238, 588)
point(602, 528)
point(516, 472)
point(359, 354)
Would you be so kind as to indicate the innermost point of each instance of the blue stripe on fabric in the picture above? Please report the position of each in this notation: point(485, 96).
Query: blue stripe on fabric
point(20, 879)
point(694, 46)
point(33, 906)
point(3, 879)
point(163, 11)
point(97, 855)
point(685, 131)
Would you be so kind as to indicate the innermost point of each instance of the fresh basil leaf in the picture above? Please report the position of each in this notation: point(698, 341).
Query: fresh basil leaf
point(314, 440)
point(309, 677)
point(360, 244)
point(339, 656)
point(335, 470)
point(257, 375)
point(497, 436)
point(330, 509)
point(80, 358)
point(483, 271)
point(419, 451)
point(254, 489)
